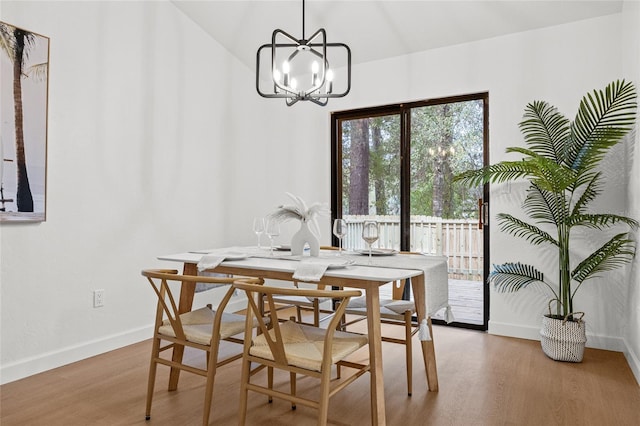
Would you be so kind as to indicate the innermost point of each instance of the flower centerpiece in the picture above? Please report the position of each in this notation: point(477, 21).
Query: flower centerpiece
point(309, 232)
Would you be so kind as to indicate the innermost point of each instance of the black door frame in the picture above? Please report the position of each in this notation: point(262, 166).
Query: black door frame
point(403, 110)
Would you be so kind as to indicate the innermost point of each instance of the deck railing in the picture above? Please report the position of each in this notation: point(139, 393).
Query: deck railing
point(458, 239)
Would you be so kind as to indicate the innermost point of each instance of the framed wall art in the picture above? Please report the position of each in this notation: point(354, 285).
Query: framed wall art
point(24, 87)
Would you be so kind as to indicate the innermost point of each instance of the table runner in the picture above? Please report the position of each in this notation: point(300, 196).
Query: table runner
point(435, 269)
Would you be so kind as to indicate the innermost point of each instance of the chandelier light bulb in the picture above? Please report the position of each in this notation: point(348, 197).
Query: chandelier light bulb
point(285, 70)
point(276, 80)
point(314, 73)
point(329, 78)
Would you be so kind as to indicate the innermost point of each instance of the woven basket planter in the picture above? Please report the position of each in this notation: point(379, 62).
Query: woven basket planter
point(563, 340)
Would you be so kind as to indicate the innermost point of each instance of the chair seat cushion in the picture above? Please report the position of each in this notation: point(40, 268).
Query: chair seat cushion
point(198, 325)
point(388, 307)
point(304, 345)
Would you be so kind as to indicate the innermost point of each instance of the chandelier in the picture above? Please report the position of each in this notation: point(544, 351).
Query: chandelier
point(300, 69)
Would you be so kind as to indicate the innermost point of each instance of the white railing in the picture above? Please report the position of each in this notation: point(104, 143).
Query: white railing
point(458, 239)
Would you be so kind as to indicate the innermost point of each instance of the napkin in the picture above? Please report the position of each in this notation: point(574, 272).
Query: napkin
point(311, 270)
point(210, 261)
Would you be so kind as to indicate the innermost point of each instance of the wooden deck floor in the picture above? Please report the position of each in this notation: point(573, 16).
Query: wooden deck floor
point(465, 298)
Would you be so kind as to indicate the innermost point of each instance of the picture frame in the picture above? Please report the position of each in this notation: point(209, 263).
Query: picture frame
point(23, 124)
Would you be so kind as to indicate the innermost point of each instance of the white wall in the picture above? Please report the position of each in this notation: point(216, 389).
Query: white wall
point(158, 143)
point(631, 64)
point(140, 136)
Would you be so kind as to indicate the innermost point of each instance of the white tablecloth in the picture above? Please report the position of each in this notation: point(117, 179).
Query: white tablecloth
point(434, 267)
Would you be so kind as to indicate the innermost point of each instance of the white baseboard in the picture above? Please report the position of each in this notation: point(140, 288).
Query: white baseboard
point(50, 360)
point(510, 330)
point(634, 362)
point(533, 333)
point(54, 359)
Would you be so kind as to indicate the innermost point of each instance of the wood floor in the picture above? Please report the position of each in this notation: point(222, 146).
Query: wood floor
point(484, 380)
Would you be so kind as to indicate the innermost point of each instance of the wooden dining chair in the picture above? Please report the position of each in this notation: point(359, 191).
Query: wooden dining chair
point(394, 311)
point(306, 304)
point(298, 349)
point(303, 304)
point(202, 329)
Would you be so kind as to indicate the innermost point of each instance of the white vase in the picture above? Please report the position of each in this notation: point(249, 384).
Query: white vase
point(301, 238)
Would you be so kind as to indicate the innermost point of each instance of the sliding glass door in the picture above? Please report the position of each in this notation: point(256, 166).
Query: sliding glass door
point(395, 164)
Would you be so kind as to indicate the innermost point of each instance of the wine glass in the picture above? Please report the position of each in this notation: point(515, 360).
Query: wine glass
point(340, 231)
point(370, 233)
point(272, 229)
point(258, 228)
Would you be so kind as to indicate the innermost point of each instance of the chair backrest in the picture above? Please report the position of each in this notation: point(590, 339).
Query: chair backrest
point(274, 339)
point(160, 280)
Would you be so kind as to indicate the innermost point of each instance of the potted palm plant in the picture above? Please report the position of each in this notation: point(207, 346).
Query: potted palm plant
point(562, 164)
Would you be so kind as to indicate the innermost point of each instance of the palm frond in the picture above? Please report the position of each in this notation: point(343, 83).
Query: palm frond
point(521, 229)
point(7, 41)
point(592, 190)
point(544, 206)
point(545, 130)
point(38, 71)
point(619, 250)
point(495, 173)
point(594, 150)
point(603, 118)
point(545, 172)
point(601, 220)
point(510, 277)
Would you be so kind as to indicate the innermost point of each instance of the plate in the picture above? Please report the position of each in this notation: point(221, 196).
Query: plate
point(282, 248)
point(378, 252)
point(340, 264)
point(332, 263)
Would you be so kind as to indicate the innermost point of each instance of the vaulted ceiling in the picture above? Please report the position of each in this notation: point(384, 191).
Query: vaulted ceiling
point(381, 29)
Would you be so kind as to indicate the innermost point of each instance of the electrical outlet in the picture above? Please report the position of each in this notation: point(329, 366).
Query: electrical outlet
point(98, 298)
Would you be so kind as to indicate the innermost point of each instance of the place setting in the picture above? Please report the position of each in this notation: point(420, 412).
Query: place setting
point(212, 258)
point(313, 268)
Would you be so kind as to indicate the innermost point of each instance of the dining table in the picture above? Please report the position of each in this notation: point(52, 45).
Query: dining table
point(352, 270)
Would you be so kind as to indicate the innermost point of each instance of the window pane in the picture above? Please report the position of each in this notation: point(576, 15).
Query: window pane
point(371, 178)
point(446, 139)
